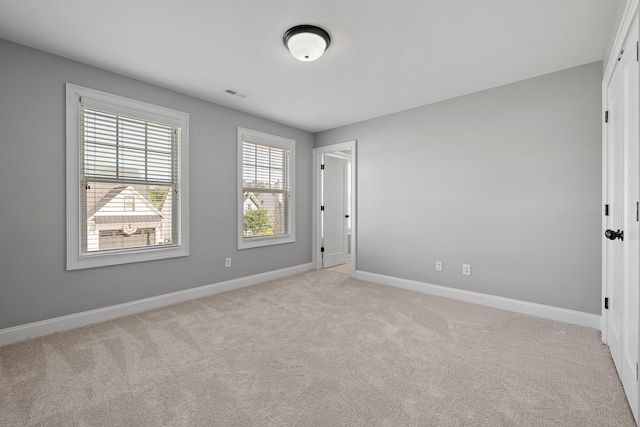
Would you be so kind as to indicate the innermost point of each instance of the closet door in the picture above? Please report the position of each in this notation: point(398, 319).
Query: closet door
point(622, 195)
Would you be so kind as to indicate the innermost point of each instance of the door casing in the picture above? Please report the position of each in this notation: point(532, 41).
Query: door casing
point(317, 194)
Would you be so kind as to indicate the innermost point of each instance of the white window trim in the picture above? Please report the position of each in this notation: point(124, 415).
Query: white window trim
point(129, 107)
point(274, 141)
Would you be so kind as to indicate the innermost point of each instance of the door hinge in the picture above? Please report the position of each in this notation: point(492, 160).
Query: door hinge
point(322, 167)
point(606, 116)
point(322, 249)
point(620, 55)
point(637, 211)
point(636, 51)
point(321, 208)
point(606, 210)
point(606, 303)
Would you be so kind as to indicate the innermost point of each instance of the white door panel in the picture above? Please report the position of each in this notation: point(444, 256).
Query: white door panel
point(622, 193)
point(334, 215)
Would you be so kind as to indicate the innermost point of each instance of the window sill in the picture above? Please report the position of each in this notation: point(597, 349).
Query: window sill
point(257, 242)
point(106, 259)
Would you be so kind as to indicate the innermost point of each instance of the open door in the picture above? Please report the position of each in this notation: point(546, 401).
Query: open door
point(334, 206)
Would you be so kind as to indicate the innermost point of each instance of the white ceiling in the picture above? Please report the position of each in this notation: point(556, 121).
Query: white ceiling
point(385, 56)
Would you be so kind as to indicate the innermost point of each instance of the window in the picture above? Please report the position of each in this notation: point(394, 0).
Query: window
point(266, 201)
point(127, 187)
point(129, 203)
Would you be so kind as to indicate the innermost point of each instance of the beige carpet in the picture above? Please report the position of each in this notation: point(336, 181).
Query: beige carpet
point(342, 268)
point(317, 349)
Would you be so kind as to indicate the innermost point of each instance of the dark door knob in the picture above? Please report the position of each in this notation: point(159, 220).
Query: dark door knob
point(613, 235)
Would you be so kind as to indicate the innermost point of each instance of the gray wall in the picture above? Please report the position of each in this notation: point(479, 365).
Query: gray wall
point(34, 284)
point(507, 180)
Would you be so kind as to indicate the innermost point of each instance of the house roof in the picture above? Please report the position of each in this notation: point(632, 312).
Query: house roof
point(97, 214)
point(110, 195)
point(253, 199)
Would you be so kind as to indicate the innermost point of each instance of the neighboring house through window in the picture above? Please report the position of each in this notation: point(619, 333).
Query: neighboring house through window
point(127, 187)
point(266, 177)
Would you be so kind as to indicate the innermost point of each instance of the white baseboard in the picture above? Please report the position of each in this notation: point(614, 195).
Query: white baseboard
point(523, 307)
point(63, 323)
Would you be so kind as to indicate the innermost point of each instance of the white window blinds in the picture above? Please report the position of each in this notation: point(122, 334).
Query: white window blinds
point(124, 148)
point(129, 170)
point(266, 167)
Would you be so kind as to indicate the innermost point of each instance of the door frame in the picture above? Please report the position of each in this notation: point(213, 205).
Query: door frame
point(317, 194)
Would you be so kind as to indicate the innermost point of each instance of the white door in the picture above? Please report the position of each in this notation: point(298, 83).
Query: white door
point(622, 250)
point(335, 211)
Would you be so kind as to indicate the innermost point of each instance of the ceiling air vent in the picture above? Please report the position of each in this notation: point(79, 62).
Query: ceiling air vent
point(235, 93)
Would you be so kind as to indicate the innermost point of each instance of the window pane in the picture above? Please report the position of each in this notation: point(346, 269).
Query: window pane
point(159, 167)
point(98, 160)
point(264, 214)
point(266, 209)
point(249, 154)
point(249, 176)
point(133, 211)
point(126, 148)
point(131, 164)
point(262, 175)
point(129, 203)
point(126, 216)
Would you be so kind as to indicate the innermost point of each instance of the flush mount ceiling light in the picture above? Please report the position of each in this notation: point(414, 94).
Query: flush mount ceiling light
point(306, 42)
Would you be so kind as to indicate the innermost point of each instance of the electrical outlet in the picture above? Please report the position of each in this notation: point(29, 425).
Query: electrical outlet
point(439, 265)
point(227, 262)
point(466, 269)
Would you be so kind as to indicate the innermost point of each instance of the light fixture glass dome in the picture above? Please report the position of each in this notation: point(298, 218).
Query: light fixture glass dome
point(306, 42)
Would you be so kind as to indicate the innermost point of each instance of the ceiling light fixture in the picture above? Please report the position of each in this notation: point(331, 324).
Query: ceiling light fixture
point(306, 42)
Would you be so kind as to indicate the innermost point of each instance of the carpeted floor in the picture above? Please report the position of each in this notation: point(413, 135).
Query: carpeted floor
point(317, 349)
